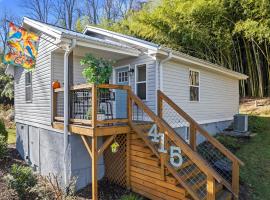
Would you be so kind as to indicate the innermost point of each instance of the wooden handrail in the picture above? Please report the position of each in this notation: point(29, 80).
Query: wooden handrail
point(113, 86)
point(89, 85)
point(194, 156)
point(234, 186)
point(211, 139)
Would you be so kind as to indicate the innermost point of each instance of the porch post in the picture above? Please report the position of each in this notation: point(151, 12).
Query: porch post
point(94, 169)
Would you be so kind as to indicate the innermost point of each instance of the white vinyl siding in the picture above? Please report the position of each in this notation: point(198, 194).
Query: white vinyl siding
point(58, 69)
point(219, 94)
point(39, 111)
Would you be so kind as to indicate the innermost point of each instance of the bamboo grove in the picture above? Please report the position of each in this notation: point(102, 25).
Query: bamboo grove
point(231, 33)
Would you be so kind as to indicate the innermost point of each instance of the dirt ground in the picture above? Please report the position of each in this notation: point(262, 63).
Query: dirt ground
point(107, 190)
point(253, 106)
point(12, 158)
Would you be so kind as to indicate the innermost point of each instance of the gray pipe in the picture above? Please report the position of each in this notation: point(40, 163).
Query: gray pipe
point(66, 109)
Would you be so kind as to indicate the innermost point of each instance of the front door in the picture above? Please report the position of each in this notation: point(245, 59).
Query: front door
point(122, 78)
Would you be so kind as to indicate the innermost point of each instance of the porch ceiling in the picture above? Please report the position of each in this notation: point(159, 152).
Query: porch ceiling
point(114, 55)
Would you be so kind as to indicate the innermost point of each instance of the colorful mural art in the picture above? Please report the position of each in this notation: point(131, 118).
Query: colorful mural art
point(21, 48)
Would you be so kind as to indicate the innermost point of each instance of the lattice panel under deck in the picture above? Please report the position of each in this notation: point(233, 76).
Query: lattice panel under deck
point(115, 163)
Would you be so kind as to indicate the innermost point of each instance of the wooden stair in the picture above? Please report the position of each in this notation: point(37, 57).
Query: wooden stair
point(150, 166)
point(196, 176)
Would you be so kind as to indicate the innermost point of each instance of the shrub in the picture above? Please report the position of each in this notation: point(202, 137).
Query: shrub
point(48, 188)
point(131, 197)
point(3, 131)
point(21, 179)
point(3, 147)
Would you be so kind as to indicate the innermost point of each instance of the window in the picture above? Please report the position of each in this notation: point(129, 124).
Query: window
point(28, 86)
point(122, 77)
point(194, 85)
point(141, 81)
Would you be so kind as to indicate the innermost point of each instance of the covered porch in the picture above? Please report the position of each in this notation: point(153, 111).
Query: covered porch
point(88, 110)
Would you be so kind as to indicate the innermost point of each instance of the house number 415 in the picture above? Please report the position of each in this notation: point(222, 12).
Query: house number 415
point(176, 158)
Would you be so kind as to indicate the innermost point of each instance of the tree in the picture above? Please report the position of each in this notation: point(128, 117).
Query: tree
point(4, 27)
point(39, 9)
point(66, 13)
point(231, 33)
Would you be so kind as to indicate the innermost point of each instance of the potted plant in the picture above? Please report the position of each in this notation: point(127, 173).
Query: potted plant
point(97, 70)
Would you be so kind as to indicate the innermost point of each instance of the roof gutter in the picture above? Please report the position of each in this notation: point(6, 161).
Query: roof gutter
point(68, 50)
point(201, 63)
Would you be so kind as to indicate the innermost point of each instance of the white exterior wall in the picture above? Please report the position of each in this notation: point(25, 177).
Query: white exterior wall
point(58, 69)
point(219, 94)
point(39, 110)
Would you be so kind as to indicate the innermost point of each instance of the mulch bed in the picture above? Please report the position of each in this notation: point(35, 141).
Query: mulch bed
point(106, 191)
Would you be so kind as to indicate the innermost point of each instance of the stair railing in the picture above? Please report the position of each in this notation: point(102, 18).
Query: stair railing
point(196, 186)
point(225, 163)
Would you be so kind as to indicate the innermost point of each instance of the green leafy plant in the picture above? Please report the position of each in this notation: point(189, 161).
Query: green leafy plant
point(3, 131)
point(97, 70)
point(3, 147)
point(131, 197)
point(21, 179)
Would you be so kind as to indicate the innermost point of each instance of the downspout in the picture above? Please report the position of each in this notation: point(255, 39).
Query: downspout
point(169, 57)
point(66, 109)
point(159, 73)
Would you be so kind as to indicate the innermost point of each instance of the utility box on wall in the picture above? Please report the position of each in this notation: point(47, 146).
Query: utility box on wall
point(240, 123)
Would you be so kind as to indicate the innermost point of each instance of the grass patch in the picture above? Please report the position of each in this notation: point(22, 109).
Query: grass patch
point(11, 135)
point(255, 153)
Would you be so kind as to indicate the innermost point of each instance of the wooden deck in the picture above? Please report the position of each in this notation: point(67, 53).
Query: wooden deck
point(81, 129)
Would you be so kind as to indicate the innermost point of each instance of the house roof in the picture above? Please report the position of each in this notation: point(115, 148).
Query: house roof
point(158, 49)
point(61, 33)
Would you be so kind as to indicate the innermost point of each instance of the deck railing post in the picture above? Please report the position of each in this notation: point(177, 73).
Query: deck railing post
point(54, 106)
point(94, 168)
point(235, 179)
point(94, 106)
point(129, 106)
point(211, 190)
point(129, 116)
point(192, 138)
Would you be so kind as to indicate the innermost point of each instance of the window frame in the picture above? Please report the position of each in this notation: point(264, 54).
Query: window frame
point(146, 80)
point(122, 72)
point(29, 86)
point(197, 86)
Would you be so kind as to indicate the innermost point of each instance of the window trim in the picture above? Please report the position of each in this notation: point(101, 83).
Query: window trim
point(199, 87)
point(29, 86)
point(146, 79)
